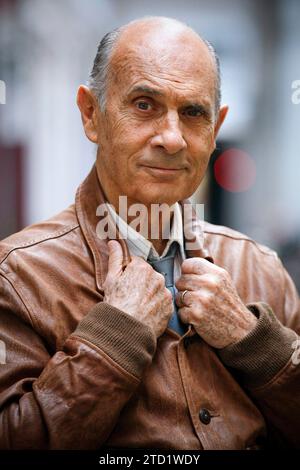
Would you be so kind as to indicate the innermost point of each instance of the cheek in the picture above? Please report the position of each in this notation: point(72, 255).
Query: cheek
point(199, 162)
point(116, 131)
point(128, 136)
point(121, 148)
point(201, 148)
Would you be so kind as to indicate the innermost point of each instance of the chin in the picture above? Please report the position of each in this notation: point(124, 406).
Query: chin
point(159, 194)
point(159, 198)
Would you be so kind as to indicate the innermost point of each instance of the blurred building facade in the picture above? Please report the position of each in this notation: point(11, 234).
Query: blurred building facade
point(47, 49)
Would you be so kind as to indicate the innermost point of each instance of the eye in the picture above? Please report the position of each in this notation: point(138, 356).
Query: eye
point(193, 111)
point(143, 105)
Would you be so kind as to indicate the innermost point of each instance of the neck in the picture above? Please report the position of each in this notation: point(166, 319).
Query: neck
point(159, 245)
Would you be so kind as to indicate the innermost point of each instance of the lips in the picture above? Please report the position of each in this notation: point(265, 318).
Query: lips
point(162, 172)
point(164, 169)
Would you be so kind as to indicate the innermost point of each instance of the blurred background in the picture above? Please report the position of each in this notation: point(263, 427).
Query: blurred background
point(46, 50)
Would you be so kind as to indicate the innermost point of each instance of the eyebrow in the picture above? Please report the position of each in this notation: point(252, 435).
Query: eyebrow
point(146, 89)
point(200, 107)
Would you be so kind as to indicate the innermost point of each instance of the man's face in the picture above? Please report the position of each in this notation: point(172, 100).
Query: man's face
point(157, 132)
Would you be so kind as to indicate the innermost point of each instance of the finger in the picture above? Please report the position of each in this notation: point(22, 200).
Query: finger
point(189, 282)
point(115, 258)
point(186, 301)
point(203, 282)
point(185, 315)
point(199, 266)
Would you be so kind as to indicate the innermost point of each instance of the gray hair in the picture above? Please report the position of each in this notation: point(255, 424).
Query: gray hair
point(98, 77)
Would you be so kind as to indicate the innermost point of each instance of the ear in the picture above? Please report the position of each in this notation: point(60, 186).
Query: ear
point(89, 108)
point(221, 118)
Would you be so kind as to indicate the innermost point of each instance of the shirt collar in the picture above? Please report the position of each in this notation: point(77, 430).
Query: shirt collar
point(138, 245)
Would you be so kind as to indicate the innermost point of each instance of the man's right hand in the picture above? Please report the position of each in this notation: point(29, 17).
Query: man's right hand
point(138, 290)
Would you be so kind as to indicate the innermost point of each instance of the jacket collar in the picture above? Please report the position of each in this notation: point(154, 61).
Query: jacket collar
point(88, 198)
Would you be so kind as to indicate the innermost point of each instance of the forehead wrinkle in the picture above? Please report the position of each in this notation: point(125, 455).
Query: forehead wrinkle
point(132, 67)
point(178, 90)
point(156, 72)
point(160, 55)
point(154, 60)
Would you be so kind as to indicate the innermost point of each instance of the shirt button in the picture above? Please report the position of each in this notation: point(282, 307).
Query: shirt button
point(204, 416)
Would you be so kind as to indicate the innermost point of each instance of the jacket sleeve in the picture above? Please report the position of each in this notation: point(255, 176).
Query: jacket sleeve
point(72, 399)
point(267, 364)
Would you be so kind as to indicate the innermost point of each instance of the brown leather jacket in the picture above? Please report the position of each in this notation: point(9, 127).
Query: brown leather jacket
point(80, 374)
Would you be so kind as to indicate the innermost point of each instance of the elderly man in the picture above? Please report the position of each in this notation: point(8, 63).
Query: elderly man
point(100, 349)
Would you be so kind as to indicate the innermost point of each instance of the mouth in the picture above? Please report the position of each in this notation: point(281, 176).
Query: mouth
point(163, 171)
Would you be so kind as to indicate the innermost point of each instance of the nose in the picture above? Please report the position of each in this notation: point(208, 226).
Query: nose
point(169, 135)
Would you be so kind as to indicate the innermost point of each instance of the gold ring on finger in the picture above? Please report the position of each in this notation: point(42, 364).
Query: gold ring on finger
point(182, 297)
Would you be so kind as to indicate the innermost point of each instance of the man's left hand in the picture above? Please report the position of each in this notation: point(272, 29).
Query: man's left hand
point(212, 304)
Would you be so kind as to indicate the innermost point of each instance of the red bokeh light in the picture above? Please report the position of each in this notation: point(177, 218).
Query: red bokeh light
point(235, 171)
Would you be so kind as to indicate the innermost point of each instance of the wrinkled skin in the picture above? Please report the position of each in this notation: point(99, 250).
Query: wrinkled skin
point(212, 304)
point(155, 138)
point(139, 290)
point(172, 125)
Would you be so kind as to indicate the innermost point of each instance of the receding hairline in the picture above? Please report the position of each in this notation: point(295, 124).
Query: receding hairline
point(157, 21)
point(111, 42)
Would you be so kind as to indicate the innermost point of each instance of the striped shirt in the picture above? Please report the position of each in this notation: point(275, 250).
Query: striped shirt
point(138, 245)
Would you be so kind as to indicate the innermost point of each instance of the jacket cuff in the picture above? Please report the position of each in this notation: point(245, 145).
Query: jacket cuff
point(263, 352)
point(129, 342)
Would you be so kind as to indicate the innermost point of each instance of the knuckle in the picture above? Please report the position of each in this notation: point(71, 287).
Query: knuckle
point(179, 283)
point(160, 279)
point(191, 265)
point(223, 273)
point(194, 296)
point(211, 280)
point(186, 264)
point(204, 300)
point(223, 279)
point(168, 295)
